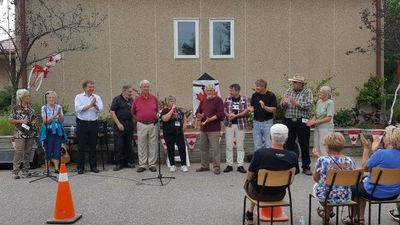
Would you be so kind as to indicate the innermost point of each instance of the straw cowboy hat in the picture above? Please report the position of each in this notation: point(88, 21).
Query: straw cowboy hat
point(298, 78)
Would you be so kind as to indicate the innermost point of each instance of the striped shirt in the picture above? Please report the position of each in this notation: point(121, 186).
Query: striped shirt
point(241, 121)
point(304, 97)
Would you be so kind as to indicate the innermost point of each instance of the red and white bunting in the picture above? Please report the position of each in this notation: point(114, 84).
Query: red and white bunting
point(377, 134)
point(353, 134)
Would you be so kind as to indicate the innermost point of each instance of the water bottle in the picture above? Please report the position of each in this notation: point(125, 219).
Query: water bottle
point(72, 131)
point(301, 221)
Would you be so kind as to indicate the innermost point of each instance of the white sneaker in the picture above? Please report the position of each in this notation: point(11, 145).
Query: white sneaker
point(184, 168)
point(172, 169)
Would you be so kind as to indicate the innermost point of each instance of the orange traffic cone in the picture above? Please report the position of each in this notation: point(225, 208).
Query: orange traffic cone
point(64, 212)
point(278, 214)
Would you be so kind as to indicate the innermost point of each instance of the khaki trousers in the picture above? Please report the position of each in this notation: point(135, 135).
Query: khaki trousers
point(230, 134)
point(23, 150)
point(210, 141)
point(319, 135)
point(147, 144)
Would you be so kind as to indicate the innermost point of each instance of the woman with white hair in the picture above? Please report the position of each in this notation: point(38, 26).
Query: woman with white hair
point(322, 120)
point(52, 133)
point(23, 117)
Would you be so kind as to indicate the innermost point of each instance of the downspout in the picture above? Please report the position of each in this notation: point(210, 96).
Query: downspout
point(379, 37)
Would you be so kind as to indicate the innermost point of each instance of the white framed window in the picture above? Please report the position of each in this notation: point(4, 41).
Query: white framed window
point(186, 38)
point(222, 38)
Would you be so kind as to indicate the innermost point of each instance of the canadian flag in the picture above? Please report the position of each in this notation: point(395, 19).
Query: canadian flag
point(353, 134)
point(377, 134)
point(191, 140)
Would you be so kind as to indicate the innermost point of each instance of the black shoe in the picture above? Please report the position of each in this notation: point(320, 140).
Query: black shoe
point(130, 165)
point(56, 171)
point(80, 171)
point(241, 169)
point(94, 170)
point(307, 172)
point(153, 169)
point(117, 167)
point(202, 169)
point(228, 169)
point(140, 169)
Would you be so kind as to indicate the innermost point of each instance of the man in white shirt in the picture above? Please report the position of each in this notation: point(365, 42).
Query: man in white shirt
point(87, 108)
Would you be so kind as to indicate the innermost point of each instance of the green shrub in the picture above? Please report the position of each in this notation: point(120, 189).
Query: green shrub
point(343, 118)
point(5, 127)
point(372, 92)
point(279, 115)
point(5, 99)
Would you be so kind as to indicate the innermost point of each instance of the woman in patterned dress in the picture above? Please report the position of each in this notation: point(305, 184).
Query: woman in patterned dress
point(334, 160)
point(23, 118)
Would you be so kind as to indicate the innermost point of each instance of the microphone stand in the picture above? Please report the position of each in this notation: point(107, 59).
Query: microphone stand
point(159, 176)
point(47, 162)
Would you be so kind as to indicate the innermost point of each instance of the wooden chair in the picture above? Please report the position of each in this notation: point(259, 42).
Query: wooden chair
point(381, 176)
point(337, 178)
point(267, 179)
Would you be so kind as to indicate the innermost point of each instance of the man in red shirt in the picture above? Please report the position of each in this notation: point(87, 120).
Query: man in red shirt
point(144, 110)
point(211, 113)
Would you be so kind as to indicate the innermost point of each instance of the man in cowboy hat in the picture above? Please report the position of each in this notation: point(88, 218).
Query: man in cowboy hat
point(297, 102)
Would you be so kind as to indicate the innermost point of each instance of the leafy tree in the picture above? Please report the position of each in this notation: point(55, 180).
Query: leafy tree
point(46, 20)
point(390, 14)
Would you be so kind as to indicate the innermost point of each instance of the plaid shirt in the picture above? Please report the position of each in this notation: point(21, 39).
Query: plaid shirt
point(304, 97)
point(241, 121)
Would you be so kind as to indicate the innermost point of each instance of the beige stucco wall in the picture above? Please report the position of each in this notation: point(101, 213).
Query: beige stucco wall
point(272, 38)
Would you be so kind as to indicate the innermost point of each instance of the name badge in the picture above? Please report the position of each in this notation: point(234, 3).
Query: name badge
point(177, 123)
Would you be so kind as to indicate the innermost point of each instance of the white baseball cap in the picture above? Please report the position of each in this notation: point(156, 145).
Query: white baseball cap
point(279, 132)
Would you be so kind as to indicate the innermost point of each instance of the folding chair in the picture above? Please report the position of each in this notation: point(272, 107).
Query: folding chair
point(337, 178)
point(267, 179)
point(382, 176)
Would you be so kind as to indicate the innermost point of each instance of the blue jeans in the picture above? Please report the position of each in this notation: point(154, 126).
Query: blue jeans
point(261, 133)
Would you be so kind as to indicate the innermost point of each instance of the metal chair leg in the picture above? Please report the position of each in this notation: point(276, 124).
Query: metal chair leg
point(309, 209)
point(337, 215)
point(379, 214)
point(291, 213)
point(244, 209)
point(272, 215)
point(258, 213)
point(369, 214)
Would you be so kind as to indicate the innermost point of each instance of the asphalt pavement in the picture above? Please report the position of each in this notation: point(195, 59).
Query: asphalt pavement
point(122, 197)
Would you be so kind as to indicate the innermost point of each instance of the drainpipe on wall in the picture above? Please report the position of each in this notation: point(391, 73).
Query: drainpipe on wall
point(379, 50)
point(379, 38)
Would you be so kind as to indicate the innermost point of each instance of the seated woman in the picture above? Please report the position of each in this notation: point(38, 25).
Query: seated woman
point(382, 158)
point(335, 160)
